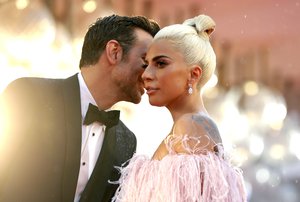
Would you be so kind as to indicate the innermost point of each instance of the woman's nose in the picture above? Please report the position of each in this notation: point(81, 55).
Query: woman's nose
point(147, 75)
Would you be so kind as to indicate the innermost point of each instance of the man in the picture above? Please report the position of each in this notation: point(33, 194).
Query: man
point(51, 150)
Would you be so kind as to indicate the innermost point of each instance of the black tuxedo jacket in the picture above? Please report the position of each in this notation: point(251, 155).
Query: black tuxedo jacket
point(40, 148)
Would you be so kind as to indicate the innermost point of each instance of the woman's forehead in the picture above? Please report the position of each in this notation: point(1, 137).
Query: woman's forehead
point(162, 47)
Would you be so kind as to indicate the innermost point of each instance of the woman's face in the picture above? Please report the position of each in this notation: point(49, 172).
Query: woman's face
point(166, 76)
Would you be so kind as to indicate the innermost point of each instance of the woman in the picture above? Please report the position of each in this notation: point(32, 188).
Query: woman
point(189, 165)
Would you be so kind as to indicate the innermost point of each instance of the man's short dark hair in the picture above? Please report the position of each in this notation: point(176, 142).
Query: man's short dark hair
point(113, 27)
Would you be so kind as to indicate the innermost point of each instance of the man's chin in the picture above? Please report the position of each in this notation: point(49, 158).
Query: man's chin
point(136, 99)
point(139, 95)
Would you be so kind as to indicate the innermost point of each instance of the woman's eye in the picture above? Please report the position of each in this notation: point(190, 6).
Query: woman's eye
point(160, 64)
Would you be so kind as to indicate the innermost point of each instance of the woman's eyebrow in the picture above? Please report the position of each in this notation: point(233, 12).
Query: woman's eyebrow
point(159, 57)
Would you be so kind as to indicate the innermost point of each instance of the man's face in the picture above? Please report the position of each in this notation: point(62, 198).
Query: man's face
point(128, 77)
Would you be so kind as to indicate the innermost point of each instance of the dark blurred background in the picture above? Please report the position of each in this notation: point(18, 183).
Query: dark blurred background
point(254, 95)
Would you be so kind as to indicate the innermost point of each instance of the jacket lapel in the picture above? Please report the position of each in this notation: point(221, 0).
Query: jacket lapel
point(73, 134)
point(98, 182)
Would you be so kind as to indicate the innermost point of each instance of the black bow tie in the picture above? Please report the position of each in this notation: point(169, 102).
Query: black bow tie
point(109, 118)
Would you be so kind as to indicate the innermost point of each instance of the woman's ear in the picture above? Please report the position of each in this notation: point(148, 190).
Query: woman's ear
point(196, 73)
point(113, 51)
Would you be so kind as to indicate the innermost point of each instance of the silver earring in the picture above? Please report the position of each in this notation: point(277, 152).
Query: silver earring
point(190, 90)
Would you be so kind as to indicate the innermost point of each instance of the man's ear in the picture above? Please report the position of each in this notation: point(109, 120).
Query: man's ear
point(113, 51)
point(196, 73)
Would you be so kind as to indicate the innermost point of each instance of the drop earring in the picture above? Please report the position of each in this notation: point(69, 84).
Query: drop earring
point(190, 90)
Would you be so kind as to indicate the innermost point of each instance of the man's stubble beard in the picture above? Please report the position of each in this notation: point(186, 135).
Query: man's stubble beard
point(130, 91)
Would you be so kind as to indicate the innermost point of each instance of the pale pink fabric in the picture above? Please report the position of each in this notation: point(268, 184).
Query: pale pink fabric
point(181, 178)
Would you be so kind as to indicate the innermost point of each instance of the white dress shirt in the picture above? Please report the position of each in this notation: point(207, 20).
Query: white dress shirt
point(92, 140)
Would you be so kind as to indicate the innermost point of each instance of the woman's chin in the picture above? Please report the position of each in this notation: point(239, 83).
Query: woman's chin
point(155, 103)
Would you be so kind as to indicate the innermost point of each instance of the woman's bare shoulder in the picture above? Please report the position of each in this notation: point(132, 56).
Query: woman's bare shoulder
point(197, 125)
point(196, 132)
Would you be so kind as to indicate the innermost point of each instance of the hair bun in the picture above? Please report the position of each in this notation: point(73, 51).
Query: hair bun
point(203, 24)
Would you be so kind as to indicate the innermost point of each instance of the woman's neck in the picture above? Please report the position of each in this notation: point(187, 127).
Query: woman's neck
point(189, 106)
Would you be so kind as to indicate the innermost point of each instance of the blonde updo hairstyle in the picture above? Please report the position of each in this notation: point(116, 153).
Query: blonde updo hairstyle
point(191, 38)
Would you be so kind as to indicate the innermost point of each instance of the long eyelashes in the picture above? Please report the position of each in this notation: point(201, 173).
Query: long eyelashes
point(161, 64)
point(158, 63)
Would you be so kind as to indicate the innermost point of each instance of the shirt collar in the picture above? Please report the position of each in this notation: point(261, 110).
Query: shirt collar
point(85, 96)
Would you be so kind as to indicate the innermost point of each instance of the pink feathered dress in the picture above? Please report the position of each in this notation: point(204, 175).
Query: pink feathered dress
point(181, 178)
